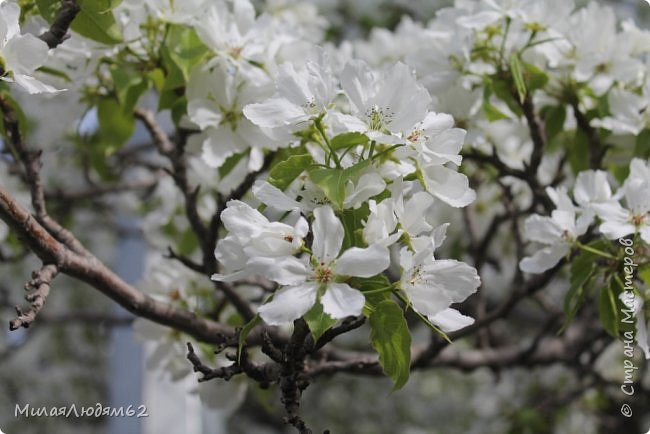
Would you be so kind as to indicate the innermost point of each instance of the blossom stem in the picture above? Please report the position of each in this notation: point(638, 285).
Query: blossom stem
point(380, 290)
point(321, 130)
point(503, 42)
point(385, 151)
point(595, 251)
point(372, 149)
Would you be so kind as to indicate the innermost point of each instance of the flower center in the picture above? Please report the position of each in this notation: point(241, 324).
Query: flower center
point(323, 273)
point(230, 117)
point(379, 118)
point(416, 277)
point(311, 107)
point(235, 52)
point(638, 219)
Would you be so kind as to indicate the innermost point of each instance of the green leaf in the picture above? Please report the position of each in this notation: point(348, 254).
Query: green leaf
point(283, 173)
point(230, 163)
point(391, 339)
point(577, 152)
point(96, 21)
point(644, 274)
point(535, 77)
point(23, 124)
point(492, 113)
point(115, 127)
point(518, 76)
point(333, 181)
point(174, 76)
point(583, 268)
point(554, 121)
point(129, 84)
point(48, 9)
point(373, 290)
point(318, 321)
point(352, 220)
point(503, 90)
point(608, 308)
point(245, 331)
point(642, 146)
point(185, 48)
point(347, 140)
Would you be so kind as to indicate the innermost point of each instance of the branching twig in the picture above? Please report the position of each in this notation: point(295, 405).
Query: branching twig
point(40, 287)
point(226, 372)
point(31, 163)
point(347, 325)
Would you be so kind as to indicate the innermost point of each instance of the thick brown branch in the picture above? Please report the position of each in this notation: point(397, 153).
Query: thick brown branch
point(58, 31)
point(92, 271)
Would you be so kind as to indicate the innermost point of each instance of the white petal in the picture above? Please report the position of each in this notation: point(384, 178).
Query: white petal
point(203, 113)
point(542, 229)
point(274, 112)
point(24, 53)
point(544, 259)
point(241, 220)
point(456, 278)
point(328, 234)
point(450, 320)
point(340, 301)
point(592, 186)
point(448, 185)
point(426, 299)
point(273, 197)
point(32, 85)
point(415, 210)
point(284, 270)
point(288, 304)
point(363, 262)
point(611, 211)
point(478, 21)
point(355, 77)
point(219, 144)
point(614, 230)
point(369, 185)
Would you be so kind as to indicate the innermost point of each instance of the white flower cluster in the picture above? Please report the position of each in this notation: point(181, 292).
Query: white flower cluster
point(626, 212)
point(264, 89)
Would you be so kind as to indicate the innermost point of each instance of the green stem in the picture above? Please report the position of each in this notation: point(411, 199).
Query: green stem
point(372, 149)
point(321, 130)
point(385, 151)
point(503, 42)
point(379, 290)
point(595, 251)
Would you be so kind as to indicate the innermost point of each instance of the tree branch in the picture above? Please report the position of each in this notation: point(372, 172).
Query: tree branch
point(58, 31)
point(31, 163)
point(91, 270)
point(40, 285)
